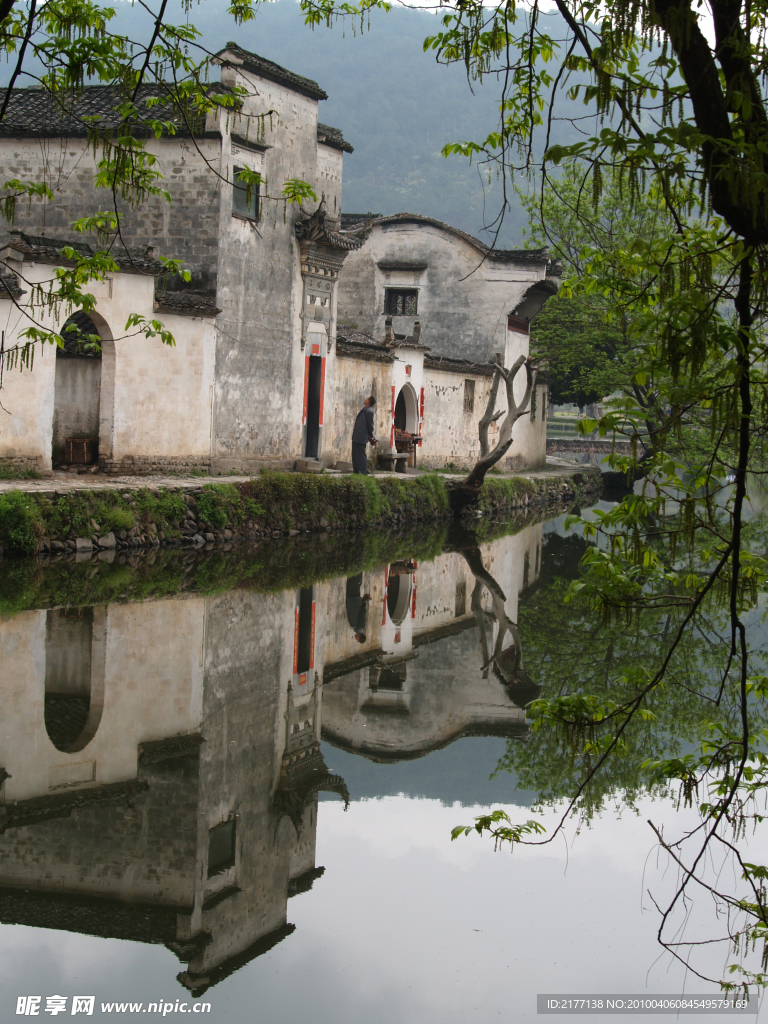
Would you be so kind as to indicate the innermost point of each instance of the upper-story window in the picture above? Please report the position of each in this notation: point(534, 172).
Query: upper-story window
point(245, 196)
point(401, 301)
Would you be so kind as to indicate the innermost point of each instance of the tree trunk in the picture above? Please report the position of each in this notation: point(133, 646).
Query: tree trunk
point(465, 493)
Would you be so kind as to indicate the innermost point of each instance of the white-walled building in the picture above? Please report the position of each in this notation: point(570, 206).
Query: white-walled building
point(256, 378)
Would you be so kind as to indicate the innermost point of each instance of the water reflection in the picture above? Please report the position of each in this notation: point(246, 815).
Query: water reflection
point(161, 765)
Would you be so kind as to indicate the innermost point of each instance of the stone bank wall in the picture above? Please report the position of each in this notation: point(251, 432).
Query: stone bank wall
point(104, 522)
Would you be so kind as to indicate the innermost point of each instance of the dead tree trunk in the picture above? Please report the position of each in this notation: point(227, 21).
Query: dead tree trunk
point(465, 493)
point(490, 457)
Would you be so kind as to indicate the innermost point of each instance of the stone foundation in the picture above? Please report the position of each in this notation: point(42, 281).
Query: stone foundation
point(146, 465)
point(18, 463)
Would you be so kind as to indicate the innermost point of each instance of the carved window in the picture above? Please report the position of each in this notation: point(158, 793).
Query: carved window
point(469, 396)
point(245, 197)
point(401, 301)
point(221, 848)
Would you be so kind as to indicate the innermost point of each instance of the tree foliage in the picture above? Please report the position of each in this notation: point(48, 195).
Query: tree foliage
point(587, 333)
point(670, 97)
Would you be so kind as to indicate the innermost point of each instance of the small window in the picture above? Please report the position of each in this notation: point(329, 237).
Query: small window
point(401, 301)
point(544, 406)
point(461, 599)
point(533, 405)
point(245, 198)
point(469, 396)
point(221, 848)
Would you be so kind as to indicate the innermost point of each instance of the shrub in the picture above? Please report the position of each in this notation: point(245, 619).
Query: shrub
point(20, 525)
point(116, 519)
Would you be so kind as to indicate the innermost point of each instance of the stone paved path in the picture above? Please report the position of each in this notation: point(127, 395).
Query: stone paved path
point(62, 482)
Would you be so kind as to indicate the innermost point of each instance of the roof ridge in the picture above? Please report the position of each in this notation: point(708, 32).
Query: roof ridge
point(274, 72)
point(539, 255)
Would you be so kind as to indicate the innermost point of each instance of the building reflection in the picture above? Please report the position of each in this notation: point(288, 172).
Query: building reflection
point(161, 766)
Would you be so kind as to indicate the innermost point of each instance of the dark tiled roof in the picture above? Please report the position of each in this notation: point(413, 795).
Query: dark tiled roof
point(537, 256)
point(43, 249)
point(268, 69)
point(36, 112)
point(304, 882)
point(353, 220)
point(9, 286)
point(332, 137)
point(357, 345)
point(458, 366)
point(89, 915)
point(200, 982)
point(350, 334)
point(341, 241)
point(60, 805)
point(317, 228)
point(187, 303)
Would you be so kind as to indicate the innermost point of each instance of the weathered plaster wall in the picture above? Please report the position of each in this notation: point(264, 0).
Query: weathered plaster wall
point(145, 670)
point(259, 361)
point(329, 173)
point(155, 400)
point(463, 301)
point(445, 692)
point(248, 640)
point(355, 380)
point(217, 666)
point(449, 432)
point(436, 586)
point(186, 228)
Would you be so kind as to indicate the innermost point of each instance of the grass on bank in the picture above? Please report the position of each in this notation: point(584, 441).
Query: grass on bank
point(271, 501)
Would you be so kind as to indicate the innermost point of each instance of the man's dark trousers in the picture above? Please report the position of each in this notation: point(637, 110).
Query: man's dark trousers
point(359, 458)
point(361, 435)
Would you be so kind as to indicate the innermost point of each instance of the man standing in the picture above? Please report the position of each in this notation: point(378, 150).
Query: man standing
point(363, 435)
point(357, 611)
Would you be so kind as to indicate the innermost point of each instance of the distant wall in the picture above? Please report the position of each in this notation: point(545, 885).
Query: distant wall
point(185, 229)
point(463, 300)
point(448, 429)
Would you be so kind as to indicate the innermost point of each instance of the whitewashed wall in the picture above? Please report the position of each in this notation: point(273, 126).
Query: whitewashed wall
point(463, 298)
point(155, 402)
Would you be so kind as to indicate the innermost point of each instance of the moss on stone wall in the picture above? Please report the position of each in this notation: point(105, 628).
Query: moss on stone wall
point(272, 504)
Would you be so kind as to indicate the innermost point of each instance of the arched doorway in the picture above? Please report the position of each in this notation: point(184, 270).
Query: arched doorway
point(406, 425)
point(407, 410)
point(79, 392)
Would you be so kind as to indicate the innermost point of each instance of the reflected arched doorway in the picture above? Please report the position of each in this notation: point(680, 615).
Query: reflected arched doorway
point(398, 593)
point(83, 390)
point(74, 697)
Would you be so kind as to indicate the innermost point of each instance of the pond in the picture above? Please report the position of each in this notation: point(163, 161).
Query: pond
point(229, 780)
